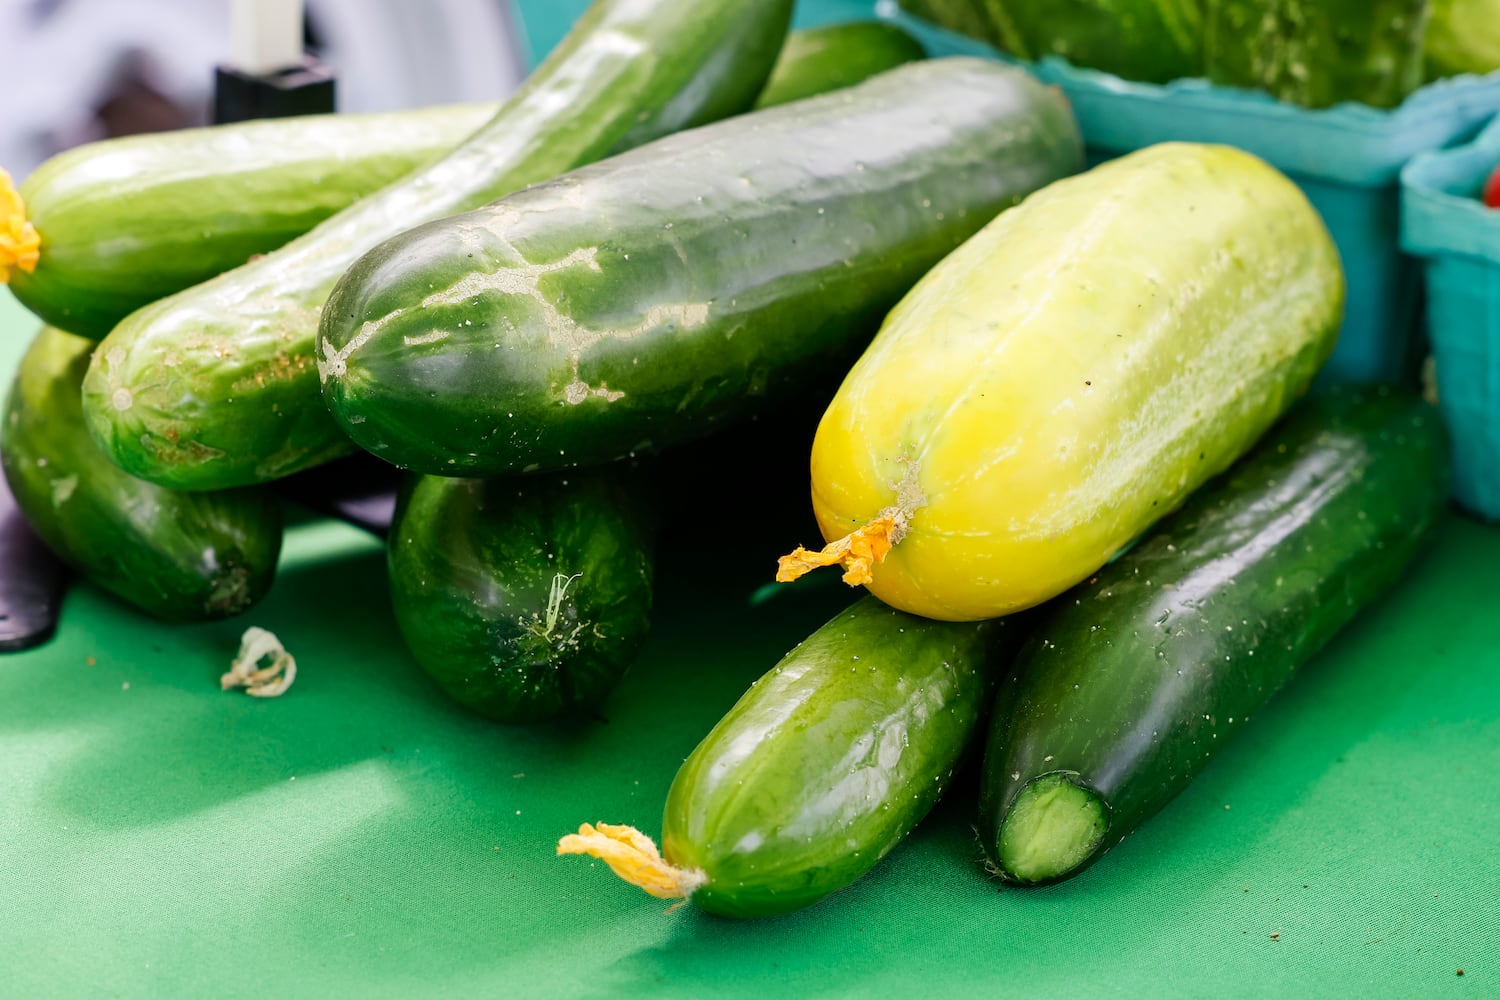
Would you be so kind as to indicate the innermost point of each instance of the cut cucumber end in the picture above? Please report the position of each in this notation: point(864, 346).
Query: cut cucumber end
point(1051, 831)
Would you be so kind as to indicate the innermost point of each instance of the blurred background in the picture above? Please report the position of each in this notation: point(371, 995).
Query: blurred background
point(79, 70)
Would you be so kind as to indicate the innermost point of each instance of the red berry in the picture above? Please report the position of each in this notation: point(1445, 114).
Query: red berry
point(1491, 194)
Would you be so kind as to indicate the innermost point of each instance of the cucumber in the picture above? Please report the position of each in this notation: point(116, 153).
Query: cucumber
point(526, 599)
point(178, 556)
point(1125, 692)
point(818, 60)
point(649, 299)
point(820, 769)
point(1463, 36)
point(1069, 376)
point(1154, 41)
point(1318, 53)
point(216, 386)
point(126, 221)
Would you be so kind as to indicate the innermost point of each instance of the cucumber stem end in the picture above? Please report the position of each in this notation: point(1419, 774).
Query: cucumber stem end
point(1052, 830)
point(857, 552)
point(20, 246)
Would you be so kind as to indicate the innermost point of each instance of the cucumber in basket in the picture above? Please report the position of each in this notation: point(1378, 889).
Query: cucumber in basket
point(1463, 36)
point(178, 556)
point(648, 299)
point(1149, 40)
point(123, 222)
point(216, 386)
point(1070, 375)
point(820, 769)
point(1317, 53)
point(1124, 693)
point(525, 599)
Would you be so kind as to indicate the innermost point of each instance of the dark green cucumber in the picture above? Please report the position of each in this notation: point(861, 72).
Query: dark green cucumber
point(819, 60)
point(126, 221)
point(828, 761)
point(525, 599)
point(178, 556)
point(216, 386)
point(1134, 680)
point(1317, 53)
point(1149, 40)
point(649, 299)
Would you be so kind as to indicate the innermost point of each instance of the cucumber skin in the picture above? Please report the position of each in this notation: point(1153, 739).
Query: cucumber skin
point(217, 387)
point(703, 277)
point(831, 758)
point(181, 557)
point(1154, 41)
point(472, 566)
point(1318, 53)
point(1073, 372)
point(819, 60)
point(1133, 686)
point(130, 220)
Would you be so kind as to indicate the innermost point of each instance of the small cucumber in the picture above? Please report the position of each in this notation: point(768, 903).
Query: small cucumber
point(820, 769)
point(126, 221)
point(1155, 41)
point(1070, 375)
point(651, 298)
point(178, 556)
point(216, 386)
point(1463, 36)
point(525, 599)
point(833, 56)
point(1317, 53)
point(1133, 681)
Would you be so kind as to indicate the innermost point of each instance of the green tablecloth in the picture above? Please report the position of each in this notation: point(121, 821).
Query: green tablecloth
point(362, 836)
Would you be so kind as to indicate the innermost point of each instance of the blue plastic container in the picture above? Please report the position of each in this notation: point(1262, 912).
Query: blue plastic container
point(1443, 222)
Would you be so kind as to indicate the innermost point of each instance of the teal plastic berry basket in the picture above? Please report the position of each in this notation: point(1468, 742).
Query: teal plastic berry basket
point(1444, 223)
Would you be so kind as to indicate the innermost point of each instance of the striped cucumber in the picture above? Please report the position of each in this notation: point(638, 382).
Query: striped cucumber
point(525, 599)
point(649, 299)
point(1125, 692)
point(1150, 40)
point(177, 556)
point(216, 386)
point(820, 769)
point(123, 222)
point(1070, 375)
point(1317, 53)
point(827, 58)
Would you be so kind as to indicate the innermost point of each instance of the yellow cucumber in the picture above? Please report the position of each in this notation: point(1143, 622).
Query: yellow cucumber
point(1069, 375)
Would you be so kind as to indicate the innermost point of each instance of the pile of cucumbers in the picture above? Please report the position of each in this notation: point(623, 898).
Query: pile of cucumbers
point(1056, 421)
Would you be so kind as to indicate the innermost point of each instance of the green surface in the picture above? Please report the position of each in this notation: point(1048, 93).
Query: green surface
point(362, 836)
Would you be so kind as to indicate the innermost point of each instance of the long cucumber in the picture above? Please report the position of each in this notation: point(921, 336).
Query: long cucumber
point(123, 222)
point(1135, 679)
point(216, 386)
point(177, 556)
point(648, 299)
point(1070, 375)
point(820, 769)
